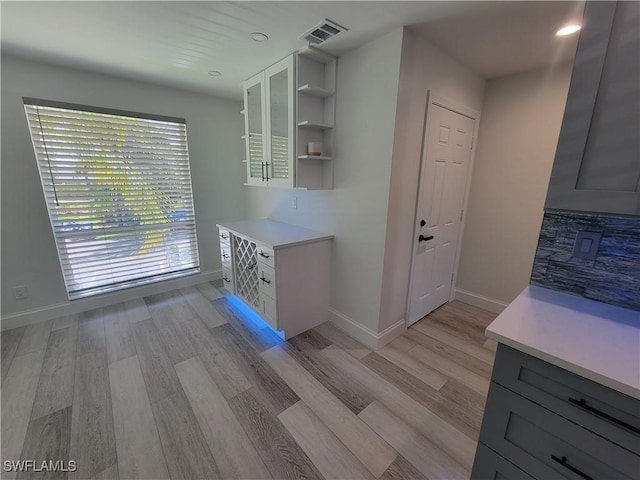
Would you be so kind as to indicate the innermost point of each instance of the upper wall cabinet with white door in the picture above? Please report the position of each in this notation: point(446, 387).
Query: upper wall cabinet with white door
point(269, 125)
point(597, 163)
point(289, 118)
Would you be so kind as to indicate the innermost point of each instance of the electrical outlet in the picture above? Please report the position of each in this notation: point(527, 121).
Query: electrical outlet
point(19, 292)
point(586, 245)
point(294, 202)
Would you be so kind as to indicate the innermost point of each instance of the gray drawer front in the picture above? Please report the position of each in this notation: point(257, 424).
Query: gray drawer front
point(488, 465)
point(553, 387)
point(528, 435)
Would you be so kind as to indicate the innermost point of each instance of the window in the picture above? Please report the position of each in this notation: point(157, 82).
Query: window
point(118, 191)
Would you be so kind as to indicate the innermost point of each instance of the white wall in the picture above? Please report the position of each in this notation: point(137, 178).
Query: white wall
point(29, 255)
point(355, 211)
point(424, 67)
point(521, 120)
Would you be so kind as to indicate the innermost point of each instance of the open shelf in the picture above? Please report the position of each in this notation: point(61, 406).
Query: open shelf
point(313, 157)
point(315, 91)
point(308, 124)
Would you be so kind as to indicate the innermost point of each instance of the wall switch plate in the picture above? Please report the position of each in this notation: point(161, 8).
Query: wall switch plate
point(19, 292)
point(586, 246)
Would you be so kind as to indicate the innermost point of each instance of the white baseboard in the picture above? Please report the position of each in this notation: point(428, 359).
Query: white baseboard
point(373, 340)
point(49, 312)
point(480, 301)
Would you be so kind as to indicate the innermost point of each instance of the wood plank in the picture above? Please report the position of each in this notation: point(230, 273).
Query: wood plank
point(342, 340)
point(454, 403)
point(136, 310)
point(223, 370)
point(323, 448)
point(159, 376)
point(93, 444)
point(137, 441)
point(491, 345)
point(118, 334)
point(399, 356)
point(109, 473)
point(444, 365)
point(47, 439)
point(278, 450)
point(313, 339)
point(91, 337)
point(202, 306)
point(456, 340)
point(65, 322)
point(18, 394)
point(450, 353)
point(328, 375)
point(55, 388)
point(363, 442)
point(184, 445)
point(401, 469)
point(458, 445)
point(166, 310)
point(34, 338)
point(274, 391)
point(168, 306)
point(255, 334)
point(210, 292)
point(234, 453)
point(423, 454)
point(217, 283)
point(10, 339)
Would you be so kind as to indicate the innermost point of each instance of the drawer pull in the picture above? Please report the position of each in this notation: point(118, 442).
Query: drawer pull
point(224, 237)
point(225, 256)
point(563, 461)
point(264, 279)
point(262, 254)
point(583, 403)
point(226, 279)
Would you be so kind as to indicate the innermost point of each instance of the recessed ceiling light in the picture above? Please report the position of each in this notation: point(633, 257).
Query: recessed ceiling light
point(259, 37)
point(215, 73)
point(568, 30)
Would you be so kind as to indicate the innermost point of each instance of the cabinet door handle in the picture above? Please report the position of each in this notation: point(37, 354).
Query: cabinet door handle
point(262, 254)
point(563, 461)
point(226, 279)
point(264, 279)
point(225, 256)
point(422, 238)
point(224, 237)
point(267, 170)
point(583, 403)
point(262, 171)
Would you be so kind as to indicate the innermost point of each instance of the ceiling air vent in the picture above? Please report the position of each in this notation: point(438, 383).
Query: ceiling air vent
point(323, 32)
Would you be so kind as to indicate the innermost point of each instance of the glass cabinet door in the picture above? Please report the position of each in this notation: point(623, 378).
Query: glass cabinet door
point(254, 101)
point(280, 121)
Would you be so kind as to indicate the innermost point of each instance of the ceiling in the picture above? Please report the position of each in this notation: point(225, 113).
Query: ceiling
point(177, 43)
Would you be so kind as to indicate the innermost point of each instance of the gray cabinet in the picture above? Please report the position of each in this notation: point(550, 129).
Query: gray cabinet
point(597, 162)
point(550, 423)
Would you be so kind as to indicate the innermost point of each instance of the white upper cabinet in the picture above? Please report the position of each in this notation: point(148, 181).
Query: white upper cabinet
point(597, 162)
point(287, 107)
point(269, 125)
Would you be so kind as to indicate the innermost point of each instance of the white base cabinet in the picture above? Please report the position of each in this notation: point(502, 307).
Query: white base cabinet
point(281, 271)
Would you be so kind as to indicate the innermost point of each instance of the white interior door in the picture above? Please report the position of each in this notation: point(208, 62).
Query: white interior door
point(445, 165)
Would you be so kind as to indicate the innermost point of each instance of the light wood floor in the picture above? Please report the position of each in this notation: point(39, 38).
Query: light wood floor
point(188, 385)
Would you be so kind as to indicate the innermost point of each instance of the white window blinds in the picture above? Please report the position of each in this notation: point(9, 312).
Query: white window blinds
point(118, 191)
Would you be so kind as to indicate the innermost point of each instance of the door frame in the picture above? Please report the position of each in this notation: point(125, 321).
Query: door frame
point(444, 102)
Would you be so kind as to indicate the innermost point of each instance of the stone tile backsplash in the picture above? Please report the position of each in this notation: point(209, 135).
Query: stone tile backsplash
point(613, 277)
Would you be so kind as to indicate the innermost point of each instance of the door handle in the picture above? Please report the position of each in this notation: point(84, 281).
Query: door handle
point(422, 238)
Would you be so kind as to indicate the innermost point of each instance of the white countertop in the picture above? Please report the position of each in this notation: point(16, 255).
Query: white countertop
point(598, 341)
point(274, 234)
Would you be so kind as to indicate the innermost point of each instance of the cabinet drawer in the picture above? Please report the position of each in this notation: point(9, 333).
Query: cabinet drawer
point(269, 311)
point(265, 255)
point(225, 255)
point(597, 408)
point(225, 236)
point(488, 465)
point(546, 445)
point(267, 280)
point(227, 279)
